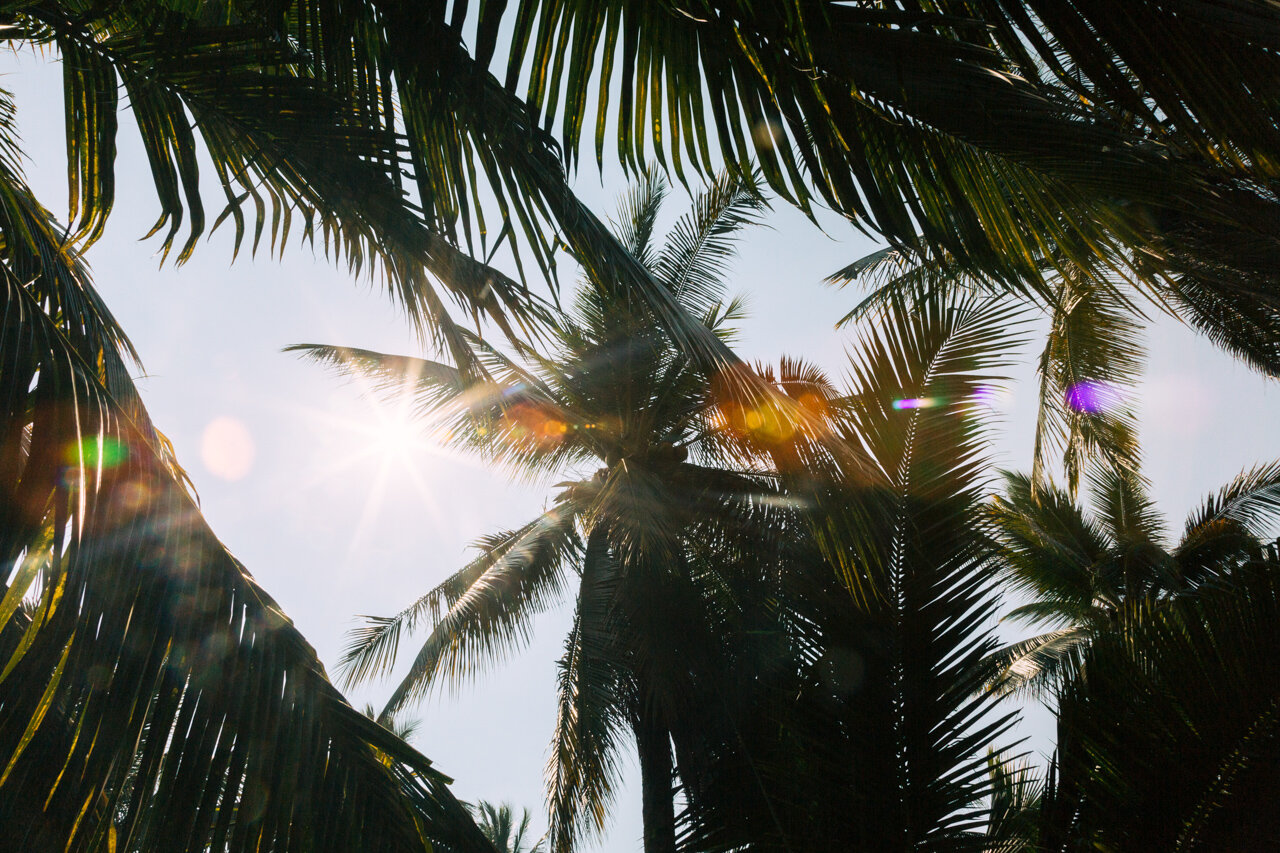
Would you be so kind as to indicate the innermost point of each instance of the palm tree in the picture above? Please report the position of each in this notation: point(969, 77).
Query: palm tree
point(1088, 574)
point(640, 425)
point(334, 113)
point(1093, 354)
point(144, 668)
point(1170, 742)
point(873, 732)
point(499, 826)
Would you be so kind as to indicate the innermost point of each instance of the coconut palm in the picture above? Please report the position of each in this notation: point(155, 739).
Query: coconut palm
point(638, 427)
point(1093, 354)
point(499, 825)
point(144, 668)
point(1087, 573)
point(873, 734)
point(334, 116)
point(1170, 742)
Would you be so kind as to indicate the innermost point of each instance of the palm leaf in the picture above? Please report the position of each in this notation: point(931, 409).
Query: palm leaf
point(1172, 740)
point(478, 615)
point(155, 696)
point(592, 720)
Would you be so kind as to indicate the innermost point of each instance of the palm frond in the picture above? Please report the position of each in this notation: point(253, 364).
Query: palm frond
point(638, 215)
point(1015, 805)
point(1037, 666)
point(881, 732)
point(1126, 508)
point(1241, 320)
point(1251, 500)
point(692, 263)
point(1050, 550)
point(478, 615)
point(592, 718)
point(1173, 738)
point(155, 695)
point(1091, 362)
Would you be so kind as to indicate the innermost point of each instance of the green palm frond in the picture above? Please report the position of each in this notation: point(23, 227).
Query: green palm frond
point(1015, 805)
point(1037, 666)
point(1123, 503)
point(638, 215)
point(153, 692)
point(479, 614)
point(1161, 79)
point(1172, 739)
point(1092, 360)
point(693, 262)
point(373, 648)
point(955, 123)
point(1050, 546)
point(874, 731)
point(918, 372)
point(592, 717)
point(1242, 320)
point(498, 824)
point(1251, 500)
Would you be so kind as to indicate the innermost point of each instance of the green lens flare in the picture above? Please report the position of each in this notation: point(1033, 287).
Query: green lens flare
point(97, 452)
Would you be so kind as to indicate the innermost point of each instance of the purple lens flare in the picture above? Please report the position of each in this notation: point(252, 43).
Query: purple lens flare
point(1091, 398)
point(915, 403)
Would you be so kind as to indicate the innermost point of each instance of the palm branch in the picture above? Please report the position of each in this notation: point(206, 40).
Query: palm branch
point(1172, 739)
point(616, 395)
point(152, 696)
point(866, 737)
point(1086, 575)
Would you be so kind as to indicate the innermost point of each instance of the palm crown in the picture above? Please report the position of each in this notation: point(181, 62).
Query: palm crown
point(1088, 573)
point(618, 396)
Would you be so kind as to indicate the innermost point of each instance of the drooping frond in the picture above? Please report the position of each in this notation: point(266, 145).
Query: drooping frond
point(373, 648)
point(478, 615)
point(153, 695)
point(1172, 739)
point(592, 717)
point(1037, 666)
point(1251, 500)
point(1090, 365)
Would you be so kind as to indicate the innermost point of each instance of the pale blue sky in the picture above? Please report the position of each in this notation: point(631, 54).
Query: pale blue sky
point(332, 528)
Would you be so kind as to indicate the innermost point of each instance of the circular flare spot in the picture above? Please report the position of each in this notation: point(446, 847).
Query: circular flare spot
point(226, 449)
point(1092, 398)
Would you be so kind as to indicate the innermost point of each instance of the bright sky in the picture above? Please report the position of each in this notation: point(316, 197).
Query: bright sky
point(295, 478)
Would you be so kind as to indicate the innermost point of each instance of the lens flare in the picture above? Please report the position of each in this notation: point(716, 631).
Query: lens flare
point(916, 403)
point(100, 451)
point(226, 448)
point(1091, 398)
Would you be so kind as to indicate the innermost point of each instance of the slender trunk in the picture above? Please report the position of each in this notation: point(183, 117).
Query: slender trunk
point(653, 742)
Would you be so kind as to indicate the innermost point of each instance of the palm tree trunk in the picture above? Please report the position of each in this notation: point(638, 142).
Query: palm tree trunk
point(653, 742)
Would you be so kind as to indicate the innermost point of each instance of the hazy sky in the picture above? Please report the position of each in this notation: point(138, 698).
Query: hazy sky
point(292, 477)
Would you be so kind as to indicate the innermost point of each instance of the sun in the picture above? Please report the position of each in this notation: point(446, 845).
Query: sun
point(395, 435)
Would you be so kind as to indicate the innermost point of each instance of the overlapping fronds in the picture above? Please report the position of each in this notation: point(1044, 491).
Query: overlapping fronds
point(668, 525)
point(1091, 362)
point(943, 121)
point(875, 733)
point(1015, 805)
point(1088, 575)
point(1173, 739)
